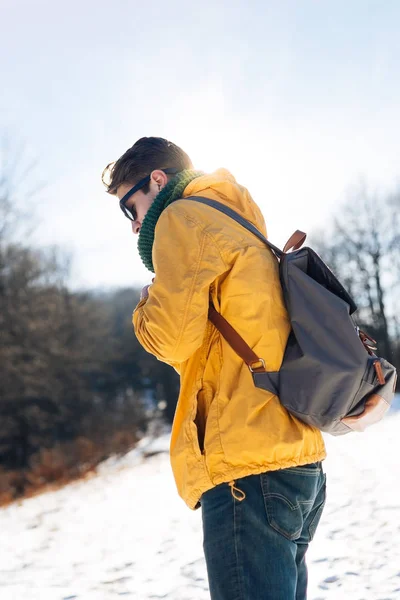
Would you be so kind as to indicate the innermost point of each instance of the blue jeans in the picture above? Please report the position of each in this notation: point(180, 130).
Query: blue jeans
point(256, 534)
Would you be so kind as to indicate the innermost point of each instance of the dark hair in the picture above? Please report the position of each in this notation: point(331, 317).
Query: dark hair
point(146, 154)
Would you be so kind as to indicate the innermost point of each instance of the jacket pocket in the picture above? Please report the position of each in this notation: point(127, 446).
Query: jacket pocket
point(210, 382)
point(294, 500)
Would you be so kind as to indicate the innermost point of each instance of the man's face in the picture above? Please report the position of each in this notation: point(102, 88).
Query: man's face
point(140, 202)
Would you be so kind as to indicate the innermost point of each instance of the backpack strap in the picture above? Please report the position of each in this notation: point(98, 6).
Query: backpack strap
point(295, 241)
point(238, 218)
point(236, 342)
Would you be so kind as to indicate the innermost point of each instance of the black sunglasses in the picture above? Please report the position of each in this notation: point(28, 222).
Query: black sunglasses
point(130, 213)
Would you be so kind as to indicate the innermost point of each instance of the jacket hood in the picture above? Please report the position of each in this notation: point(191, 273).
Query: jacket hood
point(223, 187)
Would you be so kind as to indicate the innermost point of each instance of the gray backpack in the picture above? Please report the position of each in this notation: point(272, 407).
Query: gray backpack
point(330, 377)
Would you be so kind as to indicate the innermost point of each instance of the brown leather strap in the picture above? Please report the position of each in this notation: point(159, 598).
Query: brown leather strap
point(235, 341)
point(368, 342)
point(379, 372)
point(295, 241)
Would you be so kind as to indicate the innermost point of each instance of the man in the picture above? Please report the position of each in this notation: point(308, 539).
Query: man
point(235, 450)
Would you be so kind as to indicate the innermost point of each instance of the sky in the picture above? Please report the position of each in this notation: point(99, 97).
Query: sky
point(298, 99)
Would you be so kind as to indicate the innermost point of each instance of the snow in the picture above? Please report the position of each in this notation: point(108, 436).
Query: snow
point(126, 533)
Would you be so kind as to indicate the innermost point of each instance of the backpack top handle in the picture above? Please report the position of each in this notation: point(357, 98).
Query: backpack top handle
point(295, 241)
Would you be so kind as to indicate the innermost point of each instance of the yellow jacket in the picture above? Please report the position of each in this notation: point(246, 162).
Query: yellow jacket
point(224, 427)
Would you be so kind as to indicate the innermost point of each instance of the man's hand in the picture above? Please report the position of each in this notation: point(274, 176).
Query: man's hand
point(144, 294)
point(375, 408)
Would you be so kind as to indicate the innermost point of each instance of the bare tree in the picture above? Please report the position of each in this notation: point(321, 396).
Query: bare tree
point(19, 185)
point(363, 249)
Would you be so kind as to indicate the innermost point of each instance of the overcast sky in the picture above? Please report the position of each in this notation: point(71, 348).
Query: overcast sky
point(299, 99)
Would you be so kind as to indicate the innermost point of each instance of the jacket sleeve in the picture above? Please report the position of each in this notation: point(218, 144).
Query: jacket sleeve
point(171, 323)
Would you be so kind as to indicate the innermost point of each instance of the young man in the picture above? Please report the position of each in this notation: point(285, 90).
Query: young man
point(254, 469)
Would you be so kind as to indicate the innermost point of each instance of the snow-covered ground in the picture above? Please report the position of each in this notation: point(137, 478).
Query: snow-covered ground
point(126, 533)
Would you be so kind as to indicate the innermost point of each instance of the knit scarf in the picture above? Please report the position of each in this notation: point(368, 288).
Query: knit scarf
point(171, 192)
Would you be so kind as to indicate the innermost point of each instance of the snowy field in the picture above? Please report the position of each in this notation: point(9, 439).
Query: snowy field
point(126, 533)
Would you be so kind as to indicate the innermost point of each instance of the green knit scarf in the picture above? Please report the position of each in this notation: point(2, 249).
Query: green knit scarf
point(171, 192)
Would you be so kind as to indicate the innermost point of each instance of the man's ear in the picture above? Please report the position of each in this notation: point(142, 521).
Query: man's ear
point(159, 178)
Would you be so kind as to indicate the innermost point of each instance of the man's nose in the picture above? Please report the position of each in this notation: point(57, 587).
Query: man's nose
point(135, 227)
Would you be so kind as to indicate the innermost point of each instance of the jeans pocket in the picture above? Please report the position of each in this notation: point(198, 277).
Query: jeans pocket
point(294, 500)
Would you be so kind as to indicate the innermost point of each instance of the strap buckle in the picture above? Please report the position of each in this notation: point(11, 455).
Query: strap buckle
point(256, 366)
